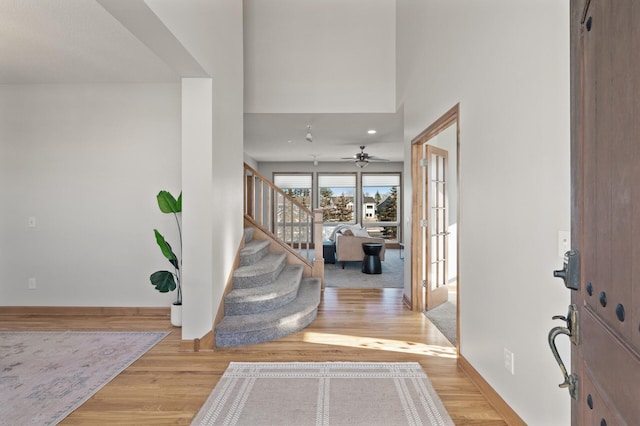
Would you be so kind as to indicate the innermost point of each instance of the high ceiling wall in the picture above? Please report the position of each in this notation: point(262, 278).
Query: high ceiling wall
point(506, 64)
point(319, 56)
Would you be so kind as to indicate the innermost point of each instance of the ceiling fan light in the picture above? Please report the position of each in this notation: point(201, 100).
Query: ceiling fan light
point(362, 163)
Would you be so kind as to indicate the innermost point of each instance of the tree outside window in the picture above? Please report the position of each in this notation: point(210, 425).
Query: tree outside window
point(388, 212)
point(298, 187)
point(337, 197)
point(380, 201)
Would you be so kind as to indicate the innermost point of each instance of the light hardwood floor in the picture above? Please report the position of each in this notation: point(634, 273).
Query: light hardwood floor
point(166, 386)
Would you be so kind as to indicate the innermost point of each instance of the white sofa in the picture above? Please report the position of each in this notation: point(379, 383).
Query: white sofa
point(349, 239)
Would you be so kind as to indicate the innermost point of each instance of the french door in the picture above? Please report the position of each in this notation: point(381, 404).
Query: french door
point(430, 236)
point(432, 259)
point(435, 228)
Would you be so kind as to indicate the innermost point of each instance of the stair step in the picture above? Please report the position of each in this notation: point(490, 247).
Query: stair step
point(248, 234)
point(240, 330)
point(263, 272)
point(243, 301)
point(253, 251)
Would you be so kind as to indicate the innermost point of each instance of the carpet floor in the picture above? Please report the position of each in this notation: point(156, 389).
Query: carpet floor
point(444, 318)
point(323, 393)
point(44, 376)
point(352, 276)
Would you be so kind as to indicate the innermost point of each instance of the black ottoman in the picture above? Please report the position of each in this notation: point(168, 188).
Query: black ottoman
point(329, 251)
point(371, 262)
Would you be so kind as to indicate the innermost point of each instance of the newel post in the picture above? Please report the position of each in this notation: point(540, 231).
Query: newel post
point(318, 261)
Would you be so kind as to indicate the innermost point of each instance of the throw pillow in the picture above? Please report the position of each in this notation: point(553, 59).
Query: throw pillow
point(360, 232)
point(337, 230)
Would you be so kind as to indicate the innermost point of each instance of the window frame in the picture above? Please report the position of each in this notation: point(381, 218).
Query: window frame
point(399, 201)
point(311, 188)
point(355, 213)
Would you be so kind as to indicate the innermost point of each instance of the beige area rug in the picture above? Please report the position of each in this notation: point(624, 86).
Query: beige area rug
point(44, 376)
point(323, 393)
point(351, 276)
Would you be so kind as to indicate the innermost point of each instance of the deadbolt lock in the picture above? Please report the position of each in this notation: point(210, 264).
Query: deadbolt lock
point(570, 272)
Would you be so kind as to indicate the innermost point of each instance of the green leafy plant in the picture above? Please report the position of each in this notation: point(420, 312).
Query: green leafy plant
point(166, 281)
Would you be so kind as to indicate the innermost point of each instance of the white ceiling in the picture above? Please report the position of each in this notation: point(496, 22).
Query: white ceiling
point(72, 41)
point(282, 137)
point(80, 41)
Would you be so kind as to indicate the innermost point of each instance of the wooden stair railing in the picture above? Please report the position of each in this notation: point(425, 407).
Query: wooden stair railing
point(287, 221)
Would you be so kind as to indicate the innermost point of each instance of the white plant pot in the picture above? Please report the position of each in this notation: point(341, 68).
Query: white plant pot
point(176, 315)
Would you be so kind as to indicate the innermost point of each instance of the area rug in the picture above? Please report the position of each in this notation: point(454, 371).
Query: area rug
point(323, 393)
point(44, 376)
point(351, 276)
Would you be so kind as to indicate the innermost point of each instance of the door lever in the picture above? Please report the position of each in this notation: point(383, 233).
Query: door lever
point(571, 330)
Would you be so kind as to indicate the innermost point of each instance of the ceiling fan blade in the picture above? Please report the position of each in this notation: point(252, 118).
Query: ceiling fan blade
point(374, 158)
point(363, 156)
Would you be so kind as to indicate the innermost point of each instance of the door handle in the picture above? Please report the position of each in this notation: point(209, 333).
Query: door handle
point(571, 330)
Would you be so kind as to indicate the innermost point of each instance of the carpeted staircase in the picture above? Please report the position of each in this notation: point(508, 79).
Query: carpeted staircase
point(269, 300)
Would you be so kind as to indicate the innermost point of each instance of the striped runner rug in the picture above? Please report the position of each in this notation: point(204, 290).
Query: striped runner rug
point(323, 393)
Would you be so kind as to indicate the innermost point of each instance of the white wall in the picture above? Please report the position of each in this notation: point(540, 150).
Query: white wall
point(507, 64)
point(87, 162)
point(198, 202)
point(250, 161)
point(212, 33)
point(320, 56)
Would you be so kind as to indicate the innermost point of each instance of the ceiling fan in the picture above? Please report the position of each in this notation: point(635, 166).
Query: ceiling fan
point(362, 159)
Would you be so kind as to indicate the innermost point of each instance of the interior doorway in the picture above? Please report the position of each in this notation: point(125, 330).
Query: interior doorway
point(434, 270)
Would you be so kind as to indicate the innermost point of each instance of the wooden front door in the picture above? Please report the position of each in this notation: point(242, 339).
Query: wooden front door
point(605, 51)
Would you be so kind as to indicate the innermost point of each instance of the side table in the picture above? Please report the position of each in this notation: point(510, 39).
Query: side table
point(371, 262)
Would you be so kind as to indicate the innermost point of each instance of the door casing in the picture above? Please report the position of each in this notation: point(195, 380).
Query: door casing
point(449, 118)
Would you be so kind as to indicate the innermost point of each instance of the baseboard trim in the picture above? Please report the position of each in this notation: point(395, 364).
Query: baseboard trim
point(510, 416)
point(406, 301)
point(84, 310)
point(208, 341)
point(189, 345)
point(203, 344)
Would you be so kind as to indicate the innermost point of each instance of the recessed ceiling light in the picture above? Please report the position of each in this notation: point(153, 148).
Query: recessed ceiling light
point(371, 132)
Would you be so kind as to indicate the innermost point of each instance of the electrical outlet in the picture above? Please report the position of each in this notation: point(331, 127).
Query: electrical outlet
point(509, 361)
point(32, 283)
point(31, 222)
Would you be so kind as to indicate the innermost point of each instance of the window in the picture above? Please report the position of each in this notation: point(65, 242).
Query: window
point(292, 223)
point(297, 186)
point(337, 197)
point(380, 201)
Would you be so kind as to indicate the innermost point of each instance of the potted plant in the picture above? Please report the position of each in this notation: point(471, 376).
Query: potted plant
point(166, 281)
